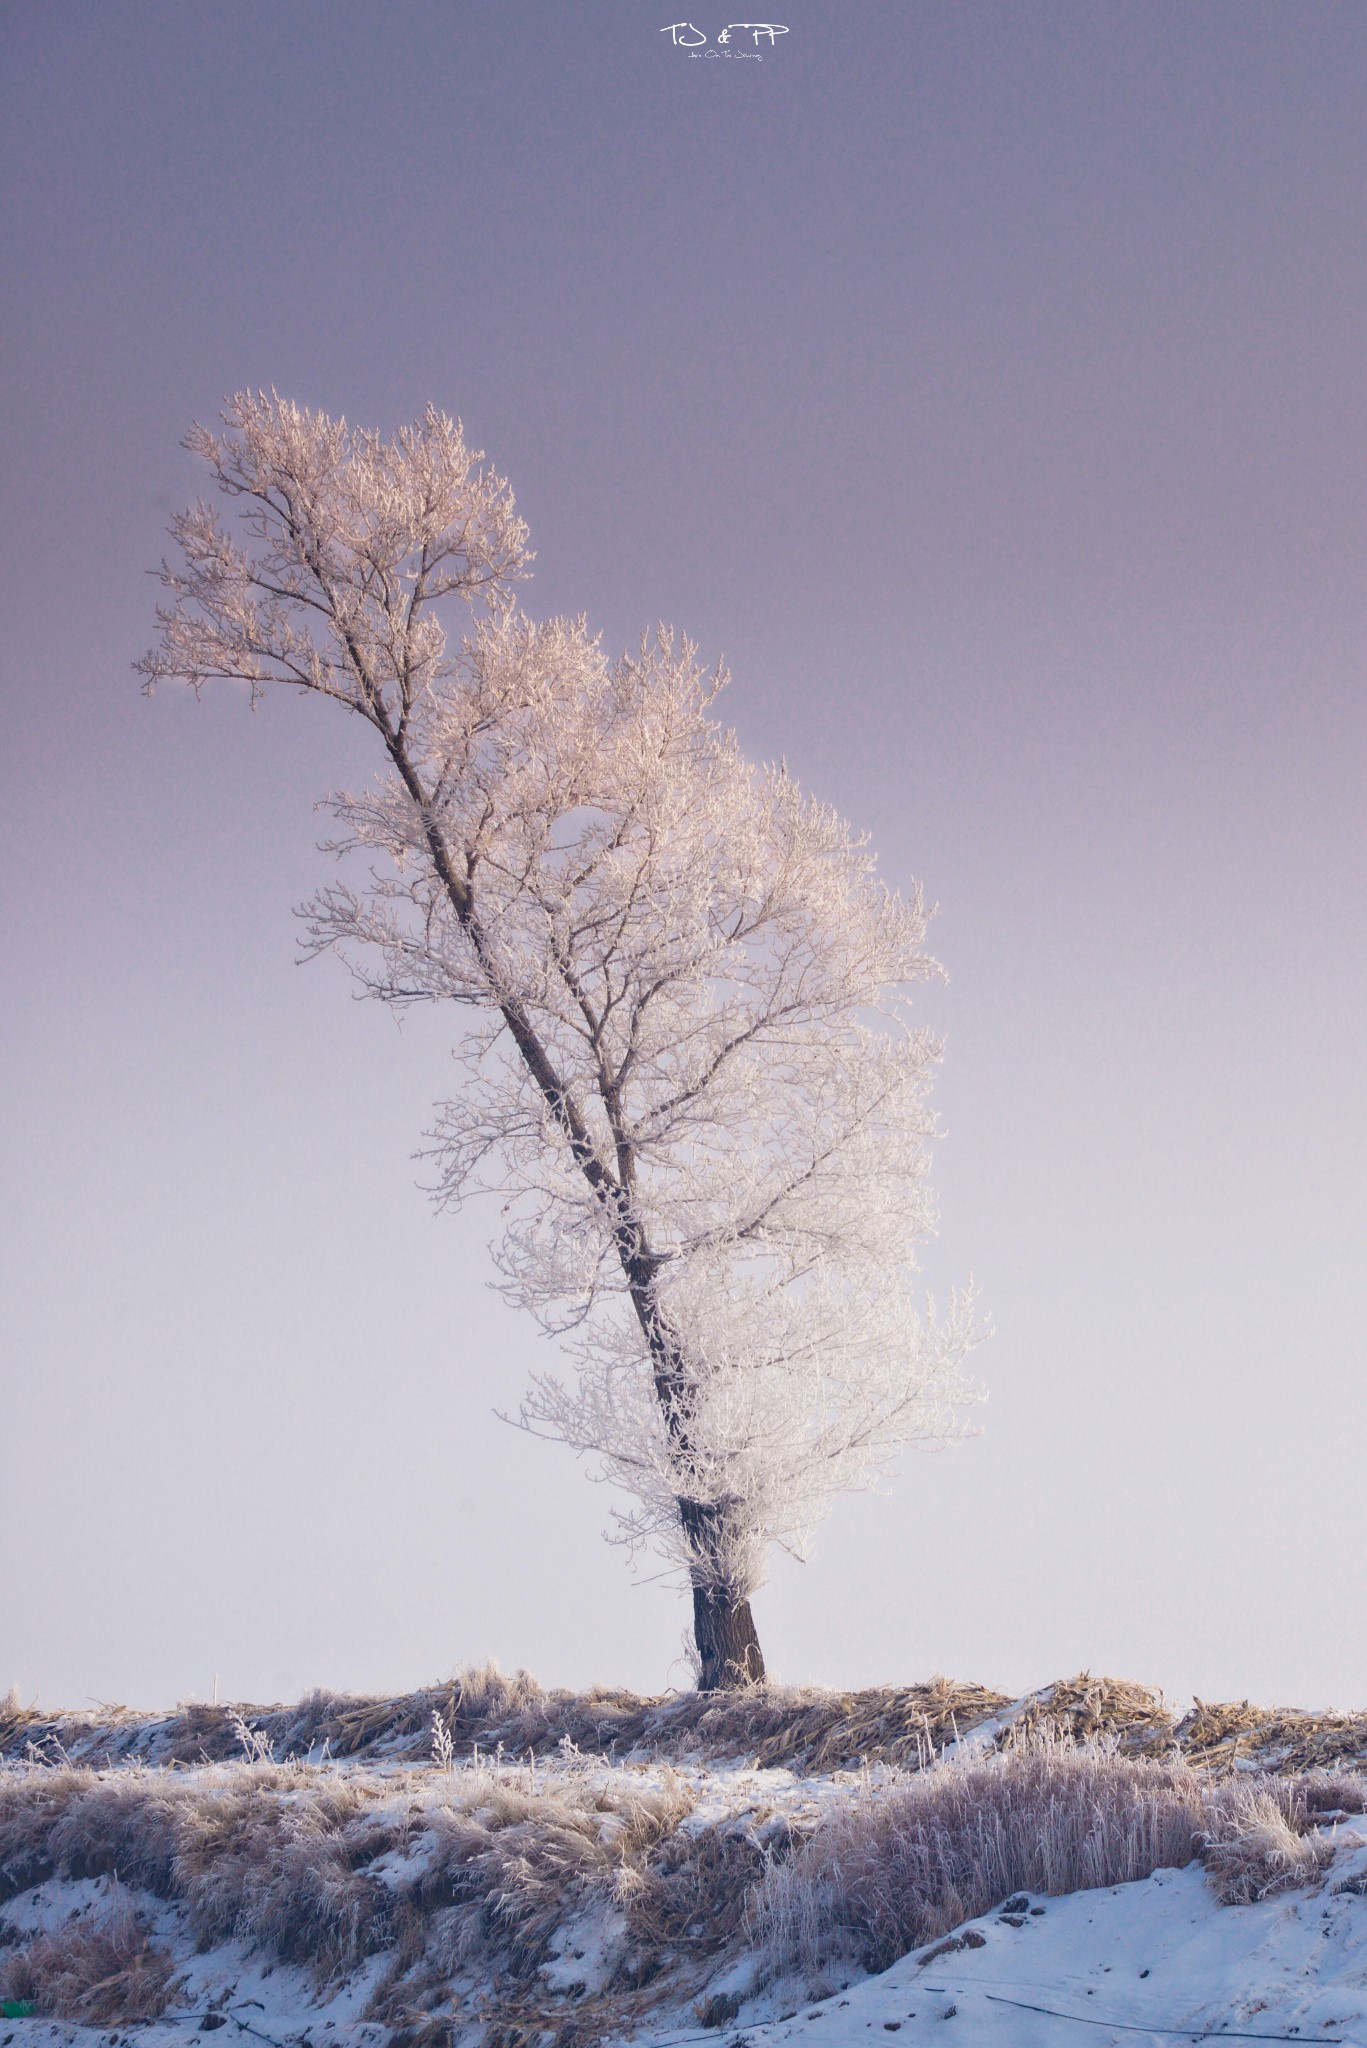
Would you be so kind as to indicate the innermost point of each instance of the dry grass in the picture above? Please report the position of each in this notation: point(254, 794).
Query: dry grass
point(285, 1869)
point(890, 1870)
point(694, 1894)
point(901, 1725)
point(465, 1879)
point(101, 1970)
point(272, 1857)
point(1275, 1738)
point(802, 1727)
point(1258, 1840)
point(506, 1866)
point(1134, 1718)
point(285, 1858)
point(805, 1728)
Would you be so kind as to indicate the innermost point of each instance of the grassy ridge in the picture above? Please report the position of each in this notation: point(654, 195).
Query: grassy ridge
point(804, 1728)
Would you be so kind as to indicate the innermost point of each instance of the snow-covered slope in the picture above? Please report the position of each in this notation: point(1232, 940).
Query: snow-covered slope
point(1151, 1961)
point(567, 1904)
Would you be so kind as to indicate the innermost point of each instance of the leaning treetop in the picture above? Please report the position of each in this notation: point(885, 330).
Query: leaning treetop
point(693, 1077)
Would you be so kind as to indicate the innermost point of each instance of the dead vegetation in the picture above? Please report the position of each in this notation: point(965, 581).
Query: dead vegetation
point(803, 1728)
point(892, 1869)
point(808, 1730)
point(100, 1970)
point(1275, 1738)
point(693, 1895)
point(503, 1868)
point(1133, 1718)
point(460, 1881)
point(1257, 1841)
point(464, 1876)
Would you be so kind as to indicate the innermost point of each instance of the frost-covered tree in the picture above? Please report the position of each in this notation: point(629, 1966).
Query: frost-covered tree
point(691, 1075)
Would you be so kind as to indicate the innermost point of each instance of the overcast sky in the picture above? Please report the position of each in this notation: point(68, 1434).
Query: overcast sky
point(985, 384)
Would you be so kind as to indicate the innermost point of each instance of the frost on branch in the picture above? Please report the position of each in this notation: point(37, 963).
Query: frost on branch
point(356, 538)
point(692, 1074)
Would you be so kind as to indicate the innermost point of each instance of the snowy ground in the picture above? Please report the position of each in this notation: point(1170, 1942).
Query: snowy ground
point(1143, 1962)
point(1155, 1961)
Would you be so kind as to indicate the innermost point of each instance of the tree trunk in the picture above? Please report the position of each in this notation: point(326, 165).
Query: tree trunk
point(723, 1626)
point(724, 1630)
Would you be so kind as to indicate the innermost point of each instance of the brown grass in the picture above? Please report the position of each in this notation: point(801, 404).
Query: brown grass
point(1276, 1738)
point(284, 1868)
point(693, 1895)
point(1133, 1718)
point(283, 1857)
point(101, 1970)
point(508, 1866)
point(890, 1870)
point(805, 1728)
point(1090, 1782)
point(1257, 1842)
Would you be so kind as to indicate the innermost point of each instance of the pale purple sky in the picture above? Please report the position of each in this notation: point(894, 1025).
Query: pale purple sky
point(985, 383)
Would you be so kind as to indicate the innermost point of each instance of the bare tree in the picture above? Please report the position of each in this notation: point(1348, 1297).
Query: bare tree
point(692, 1076)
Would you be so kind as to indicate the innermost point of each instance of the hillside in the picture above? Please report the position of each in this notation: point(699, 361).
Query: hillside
point(488, 1862)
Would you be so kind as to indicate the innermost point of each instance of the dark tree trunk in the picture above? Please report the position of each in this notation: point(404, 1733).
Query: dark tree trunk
point(723, 1626)
point(724, 1630)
